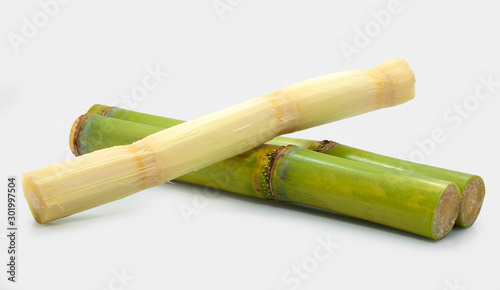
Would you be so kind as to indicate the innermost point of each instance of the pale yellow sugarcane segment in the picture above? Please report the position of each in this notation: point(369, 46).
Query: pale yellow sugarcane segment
point(90, 180)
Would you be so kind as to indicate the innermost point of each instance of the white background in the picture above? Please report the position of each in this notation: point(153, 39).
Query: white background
point(91, 52)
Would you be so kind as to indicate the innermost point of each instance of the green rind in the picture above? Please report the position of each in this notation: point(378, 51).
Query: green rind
point(118, 113)
point(459, 178)
point(373, 193)
point(390, 197)
point(97, 132)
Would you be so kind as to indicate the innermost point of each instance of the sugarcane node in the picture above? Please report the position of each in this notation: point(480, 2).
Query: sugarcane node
point(285, 112)
point(259, 177)
point(105, 111)
point(273, 158)
point(313, 146)
point(264, 188)
point(325, 146)
point(265, 176)
point(391, 85)
point(99, 109)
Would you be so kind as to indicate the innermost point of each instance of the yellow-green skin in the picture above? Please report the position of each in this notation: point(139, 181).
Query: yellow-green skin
point(390, 197)
point(293, 174)
point(327, 147)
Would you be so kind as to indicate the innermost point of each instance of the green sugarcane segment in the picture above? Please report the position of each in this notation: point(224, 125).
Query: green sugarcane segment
point(471, 186)
point(132, 116)
point(98, 133)
point(412, 203)
point(391, 197)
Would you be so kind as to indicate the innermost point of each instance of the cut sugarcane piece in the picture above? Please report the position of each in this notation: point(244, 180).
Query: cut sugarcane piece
point(413, 203)
point(472, 189)
point(91, 180)
point(471, 186)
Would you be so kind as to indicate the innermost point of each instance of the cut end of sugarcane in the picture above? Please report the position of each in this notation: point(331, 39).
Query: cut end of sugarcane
point(35, 201)
point(396, 81)
point(356, 92)
point(471, 202)
point(446, 212)
point(87, 181)
point(74, 134)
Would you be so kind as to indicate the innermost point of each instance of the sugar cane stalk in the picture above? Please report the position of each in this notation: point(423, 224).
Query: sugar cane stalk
point(109, 174)
point(417, 204)
point(471, 186)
